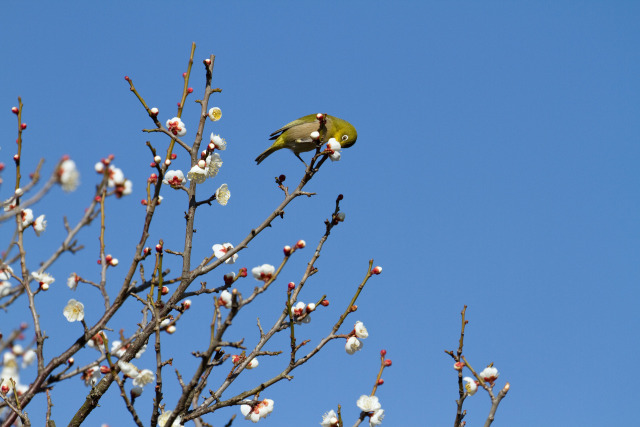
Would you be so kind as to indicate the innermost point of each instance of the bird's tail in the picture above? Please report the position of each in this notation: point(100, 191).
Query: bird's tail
point(265, 154)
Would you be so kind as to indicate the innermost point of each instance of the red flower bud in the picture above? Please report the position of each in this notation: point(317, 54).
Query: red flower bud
point(383, 352)
point(387, 362)
point(14, 110)
point(324, 302)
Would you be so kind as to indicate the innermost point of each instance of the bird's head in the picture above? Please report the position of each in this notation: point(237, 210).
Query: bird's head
point(345, 134)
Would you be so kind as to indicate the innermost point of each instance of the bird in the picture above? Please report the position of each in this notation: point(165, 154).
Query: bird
point(296, 136)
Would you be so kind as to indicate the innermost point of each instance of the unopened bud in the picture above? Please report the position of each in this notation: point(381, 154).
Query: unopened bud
point(376, 270)
point(23, 126)
point(301, 244)
point(14, 110)
point(126, 78)
point(325, 302)
point(353, 308)
point(287, 250)
point(44, 286)
point(157, 159)
point(186, 304)
point(70, 361)
point(282, 177)
point(105, 369)
point(18, 192)
point(207, 61)
point(291, 286)
point(243, 272)
point(159, 247)
point(171, 329)
point(320, 116)
point(174, 156)
point(136, 391)
point(383, 352)
point(202, 164)
point(387, 362)
point(380, 381)
point(311, 307)
point(154, 111)
point(165, 290)
point(190, 90)
point(315, 135)
point(167, 162)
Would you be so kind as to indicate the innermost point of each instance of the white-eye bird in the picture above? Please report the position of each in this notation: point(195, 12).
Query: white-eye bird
point(296, 136)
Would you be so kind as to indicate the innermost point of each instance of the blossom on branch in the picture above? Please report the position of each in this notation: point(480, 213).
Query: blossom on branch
point(164, 417)
point(219, 142)
point(489, 374)
point(353, 344)
point(257, 411)
point(220, 250)
point(174, 178)
point(213, 164)
point(368, 403)
point(39, 225)
point(263, 272)
point(470, 385)
point(44, 279)
point(330, 419)
point(176, 127)
point(74, 311)
point(223, 194)
point(68, 175)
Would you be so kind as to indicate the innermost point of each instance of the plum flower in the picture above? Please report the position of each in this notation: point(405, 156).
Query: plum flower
point(220, 250)
point(44, 279)
point(330, 419)
point(470, 386)
point(74, 311)
point(68, 175)
point(39, 225)
point(5, 272)
point(143, 378)
point(223, 194)
point(27, 217)
point(368, 403)
point(334, 147)
point(353, 344)
point(215, 114)
point(225, 299)
point(360, 330)
point(489, 374)
point(219, 142)
point(213, 164)
point(263, 272)
point(174, 178)
point(5, 288)
point(197, 174)
point(164, 417)
point(257, 411)
point(72, 281)
point(176, 127)
point(376, 418)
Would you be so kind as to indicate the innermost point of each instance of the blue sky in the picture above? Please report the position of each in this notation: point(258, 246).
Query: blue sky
point(496, 166)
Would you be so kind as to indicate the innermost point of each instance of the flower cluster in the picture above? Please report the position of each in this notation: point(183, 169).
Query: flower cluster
point(39, 224)
point(220, 250)
point(176, 127)
point(371, 406)
point(257, 411)
point(301, 312)
point(489, 375)
point(354, 342)
point(117, 180)
point(209, 164)
point(264, 272)
point(68, 175)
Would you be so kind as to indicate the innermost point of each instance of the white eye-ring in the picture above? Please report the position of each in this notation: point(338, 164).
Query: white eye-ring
point(345, 137)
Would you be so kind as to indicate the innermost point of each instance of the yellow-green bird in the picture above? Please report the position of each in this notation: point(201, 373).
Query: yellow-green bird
point(296, 136)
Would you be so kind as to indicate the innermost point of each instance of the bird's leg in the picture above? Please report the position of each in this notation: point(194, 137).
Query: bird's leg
point(298, 156)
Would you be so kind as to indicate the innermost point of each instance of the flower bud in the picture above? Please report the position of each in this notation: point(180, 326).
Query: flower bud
point(380, 381)
point(186, 304)
point(207, 61)
point(126, 78)
point(165, 290)
point(70, 361)
point(18, 192)
point(14, 110)
point(190, 90)
point(383, 352)
point(301, 244)
point(174, 156)
point(458, 366)
point(44, 286)
point(324, 302)
point(104, 369)
point(243, 272)
point(154, 111)
point(387, 362)
point(171, 329)
point(320, 116)
point(167, 162)
point(23, 126)
point(157, 159)
point(315, 135)
point(291, 286)
point(376, 270)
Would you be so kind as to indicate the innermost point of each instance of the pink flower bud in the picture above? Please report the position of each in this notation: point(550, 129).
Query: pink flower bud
point(291, 286)
point(70, 361)
point(105, 369)
point(174, 156)
point(165, 290)
point(184, 74)
point(301, 244)
point(320, 116)
point(383, 352)
point(287, 250)
point(324, 302)
point(154, 111)
point(243, 272)
point(14, 110)
point(207, 61)
point(458, 366)
point(16, 158)
point(353, 308)
point(190, 90)
point(126, 78)
point(147, 250)
point(376, 270)
point(108, 258)
point(23, 126)
point(387, 362)
point(143, 202)
point(380, 381)
point(186, 304)
point(4, 389)
point(158, 247)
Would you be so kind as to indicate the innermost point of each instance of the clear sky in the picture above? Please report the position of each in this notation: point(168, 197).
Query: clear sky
point(496, 166)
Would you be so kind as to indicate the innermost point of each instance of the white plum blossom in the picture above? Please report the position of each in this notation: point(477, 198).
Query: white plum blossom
point(91, 376)
point(253, 364)
point(301, 309)
point(44, 279)
point(376, 418)
point(470, 385)
point(143, 378)
point(128, 369)
point(489, 374)
point(330, 419)
point(353, 344)
point(68, 175)
point(74, 311)
point(5, 272)
point(117, 349)
point(28, 358)
point(360, 330)
point(5, 288)
point(197, 174)
point(174, 178)
point(257, 411)
point(164, 417)
point(219, 142)
point(72, 281)
point(127, 187)
point(176, 127)
point(9, 370)
point(215, 114)
point(116, 176)
point(263, 272)
point(27, 217)
point(225, 298)
point(39, 225)
point(335, 147)
point(368, 403)
point(220, 250)
point(223, 194)
point(213, 164)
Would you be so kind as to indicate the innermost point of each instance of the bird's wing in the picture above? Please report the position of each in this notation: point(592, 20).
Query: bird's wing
point(303, 120)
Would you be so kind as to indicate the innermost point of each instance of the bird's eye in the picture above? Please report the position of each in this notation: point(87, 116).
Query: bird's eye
point(345, 137)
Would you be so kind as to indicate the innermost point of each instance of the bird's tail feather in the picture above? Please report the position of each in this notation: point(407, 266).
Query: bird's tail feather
point(265, 154)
